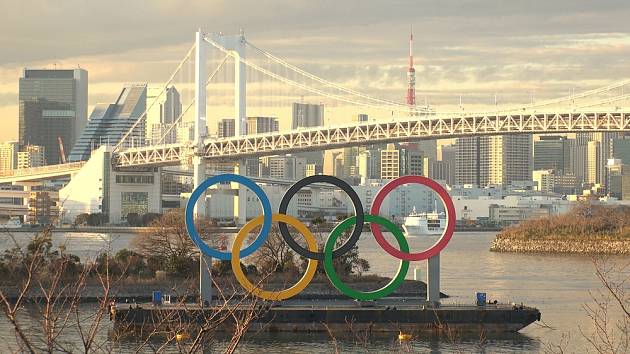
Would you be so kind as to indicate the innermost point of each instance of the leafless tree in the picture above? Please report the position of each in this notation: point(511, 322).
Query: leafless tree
point(167, 237)
point(610, 310)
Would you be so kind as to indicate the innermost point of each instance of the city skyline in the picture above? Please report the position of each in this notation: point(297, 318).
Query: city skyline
point(470, 59)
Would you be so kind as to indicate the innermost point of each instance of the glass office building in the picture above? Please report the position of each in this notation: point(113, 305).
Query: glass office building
point(108, 123)
point(52, 105)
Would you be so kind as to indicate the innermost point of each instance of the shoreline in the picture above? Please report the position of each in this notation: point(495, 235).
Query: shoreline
point(563, 245)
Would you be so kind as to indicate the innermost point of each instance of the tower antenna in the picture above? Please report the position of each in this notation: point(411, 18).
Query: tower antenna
point(411, 74)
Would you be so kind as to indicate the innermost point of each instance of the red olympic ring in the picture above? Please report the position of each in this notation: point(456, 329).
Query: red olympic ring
point(450, 218)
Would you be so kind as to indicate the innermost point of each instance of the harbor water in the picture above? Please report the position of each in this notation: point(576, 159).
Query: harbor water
point(559, 285)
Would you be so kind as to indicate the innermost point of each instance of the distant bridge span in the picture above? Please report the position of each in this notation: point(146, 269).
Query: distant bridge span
point(395, 130)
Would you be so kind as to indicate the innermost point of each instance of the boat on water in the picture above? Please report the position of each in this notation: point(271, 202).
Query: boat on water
point(13, 223)
point(423, 224)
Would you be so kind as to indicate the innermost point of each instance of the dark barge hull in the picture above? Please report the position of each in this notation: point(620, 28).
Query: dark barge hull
point(391, 315)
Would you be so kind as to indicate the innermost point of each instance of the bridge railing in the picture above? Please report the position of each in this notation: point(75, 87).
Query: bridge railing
point(42, 169)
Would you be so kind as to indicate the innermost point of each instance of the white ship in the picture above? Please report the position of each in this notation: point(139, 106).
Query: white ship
point(422, 224)
point(13, 223)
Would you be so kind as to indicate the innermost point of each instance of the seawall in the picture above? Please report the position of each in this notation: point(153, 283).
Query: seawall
point(591, 246)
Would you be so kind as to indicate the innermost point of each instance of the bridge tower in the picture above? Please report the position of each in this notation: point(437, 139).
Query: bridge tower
point(236, 45)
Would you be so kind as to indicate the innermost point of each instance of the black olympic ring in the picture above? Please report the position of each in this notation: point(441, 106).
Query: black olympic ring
point(358, 210)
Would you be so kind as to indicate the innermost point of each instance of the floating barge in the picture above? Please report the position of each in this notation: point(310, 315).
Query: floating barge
point(384, 315)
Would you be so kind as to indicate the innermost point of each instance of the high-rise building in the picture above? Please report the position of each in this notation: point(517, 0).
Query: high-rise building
point(260, 125)
point(226, 128)
point(333, 163)
point(31, 156)
point(109, 122)
point(597, 164)
point(8, 156)
point(285, 167)
point(494, 160)
point(53, 103)
point(551, 153)
point(544, 179)
point(163, 108)
point(593, 162)
point(307, 115)
point(621, 150)
point(448, 155)
point(467, 162)
point(397, 161)
point(369, 164)
point(619, 179)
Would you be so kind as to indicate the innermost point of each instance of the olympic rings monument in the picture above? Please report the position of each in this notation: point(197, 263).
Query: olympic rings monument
point(312, 253)
point(373, 310)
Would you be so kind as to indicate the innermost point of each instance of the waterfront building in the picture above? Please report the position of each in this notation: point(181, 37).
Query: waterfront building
point(43, 208)
point(98, 189)
point(509, 215)
point(8, 156)
point(52, 104)
point(109, 122)
point(31, 156)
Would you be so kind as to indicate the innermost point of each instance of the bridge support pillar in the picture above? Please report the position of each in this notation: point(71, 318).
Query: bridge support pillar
point(433, 279)
point(240, 200)
point(199, 165)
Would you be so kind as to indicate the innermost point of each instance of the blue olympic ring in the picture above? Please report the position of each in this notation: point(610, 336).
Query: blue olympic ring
point(190, 220)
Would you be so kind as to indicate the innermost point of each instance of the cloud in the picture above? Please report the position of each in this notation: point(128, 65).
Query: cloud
point(468, 47)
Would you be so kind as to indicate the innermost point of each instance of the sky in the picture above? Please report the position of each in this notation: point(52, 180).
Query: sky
point(470, 48)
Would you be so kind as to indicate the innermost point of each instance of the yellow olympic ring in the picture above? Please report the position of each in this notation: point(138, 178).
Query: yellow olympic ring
point(266, 294)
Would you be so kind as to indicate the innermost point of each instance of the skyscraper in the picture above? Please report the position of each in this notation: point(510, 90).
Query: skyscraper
point(467, 162)
point(163, 108)
point(260, 125)
point(604, 149)
point(551, 153)
point(226, 127)
point(307, 115)
point(8, 156)
point(109, 122)
point(53, 103)
point(494, 160)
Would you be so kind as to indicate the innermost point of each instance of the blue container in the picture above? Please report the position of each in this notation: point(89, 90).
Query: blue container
point(481, 299)
point(157, 298)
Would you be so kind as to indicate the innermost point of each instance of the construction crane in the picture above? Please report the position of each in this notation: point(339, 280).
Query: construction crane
point(62, 153)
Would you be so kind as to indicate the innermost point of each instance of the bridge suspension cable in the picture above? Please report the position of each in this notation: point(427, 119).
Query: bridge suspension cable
point(421, 109)
point(162, 91)
point(192, 102)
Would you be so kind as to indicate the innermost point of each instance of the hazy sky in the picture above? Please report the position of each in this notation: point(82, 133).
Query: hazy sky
point(473, 48)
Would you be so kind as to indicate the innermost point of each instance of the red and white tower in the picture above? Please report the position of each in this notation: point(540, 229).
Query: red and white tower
point(411, 75)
